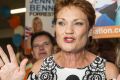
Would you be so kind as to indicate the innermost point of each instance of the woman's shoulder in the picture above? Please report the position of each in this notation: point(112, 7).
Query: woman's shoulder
point(35, 70)
point(111, 70)
point(40, 63)
point(36, 66)
point(111, 66)
point(95, 59)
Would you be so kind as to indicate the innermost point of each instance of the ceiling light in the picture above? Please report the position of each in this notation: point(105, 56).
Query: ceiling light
point(20, 10)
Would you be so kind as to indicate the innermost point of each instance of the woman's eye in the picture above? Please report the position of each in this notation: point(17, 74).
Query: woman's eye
point(78, 23)
point(61, 23)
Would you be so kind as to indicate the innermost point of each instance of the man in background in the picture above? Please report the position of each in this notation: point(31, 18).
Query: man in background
point(42, 45)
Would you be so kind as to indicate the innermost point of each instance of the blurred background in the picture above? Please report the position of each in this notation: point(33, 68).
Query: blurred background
point(11, 24)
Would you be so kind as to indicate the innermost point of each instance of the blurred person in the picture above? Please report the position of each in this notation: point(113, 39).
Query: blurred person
point(72, 21)
point(117, 49)
point(42, 44)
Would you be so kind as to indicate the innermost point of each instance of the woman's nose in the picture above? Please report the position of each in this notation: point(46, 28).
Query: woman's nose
point(69, 29)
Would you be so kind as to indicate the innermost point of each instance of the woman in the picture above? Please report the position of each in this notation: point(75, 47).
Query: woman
point(37, 24)
point(73, 20)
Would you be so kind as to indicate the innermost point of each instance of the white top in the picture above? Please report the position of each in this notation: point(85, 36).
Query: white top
point(52, 71)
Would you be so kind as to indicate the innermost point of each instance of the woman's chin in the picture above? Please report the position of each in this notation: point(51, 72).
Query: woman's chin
point(69, 50)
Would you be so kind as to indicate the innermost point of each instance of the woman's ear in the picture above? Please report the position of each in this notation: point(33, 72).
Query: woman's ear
point(90, 32)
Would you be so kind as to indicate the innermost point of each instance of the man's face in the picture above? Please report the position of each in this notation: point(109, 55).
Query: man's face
point(42, 47)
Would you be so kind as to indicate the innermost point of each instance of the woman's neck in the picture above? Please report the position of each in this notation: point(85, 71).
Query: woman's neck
point(72, 60)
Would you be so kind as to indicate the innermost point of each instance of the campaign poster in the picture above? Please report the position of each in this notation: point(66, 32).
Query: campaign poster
point(107, 23)
point(38, 17)
point(43, 9)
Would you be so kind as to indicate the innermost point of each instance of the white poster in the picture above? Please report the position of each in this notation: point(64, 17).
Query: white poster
point(42, 9)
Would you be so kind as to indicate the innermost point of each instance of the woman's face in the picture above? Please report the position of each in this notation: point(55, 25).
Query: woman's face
point(37, 25)
point(71, 29)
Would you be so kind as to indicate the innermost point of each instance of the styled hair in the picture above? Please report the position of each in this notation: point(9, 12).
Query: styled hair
point(37, 18)
point(83, 5)
point(34, 19)
point(42, 33)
